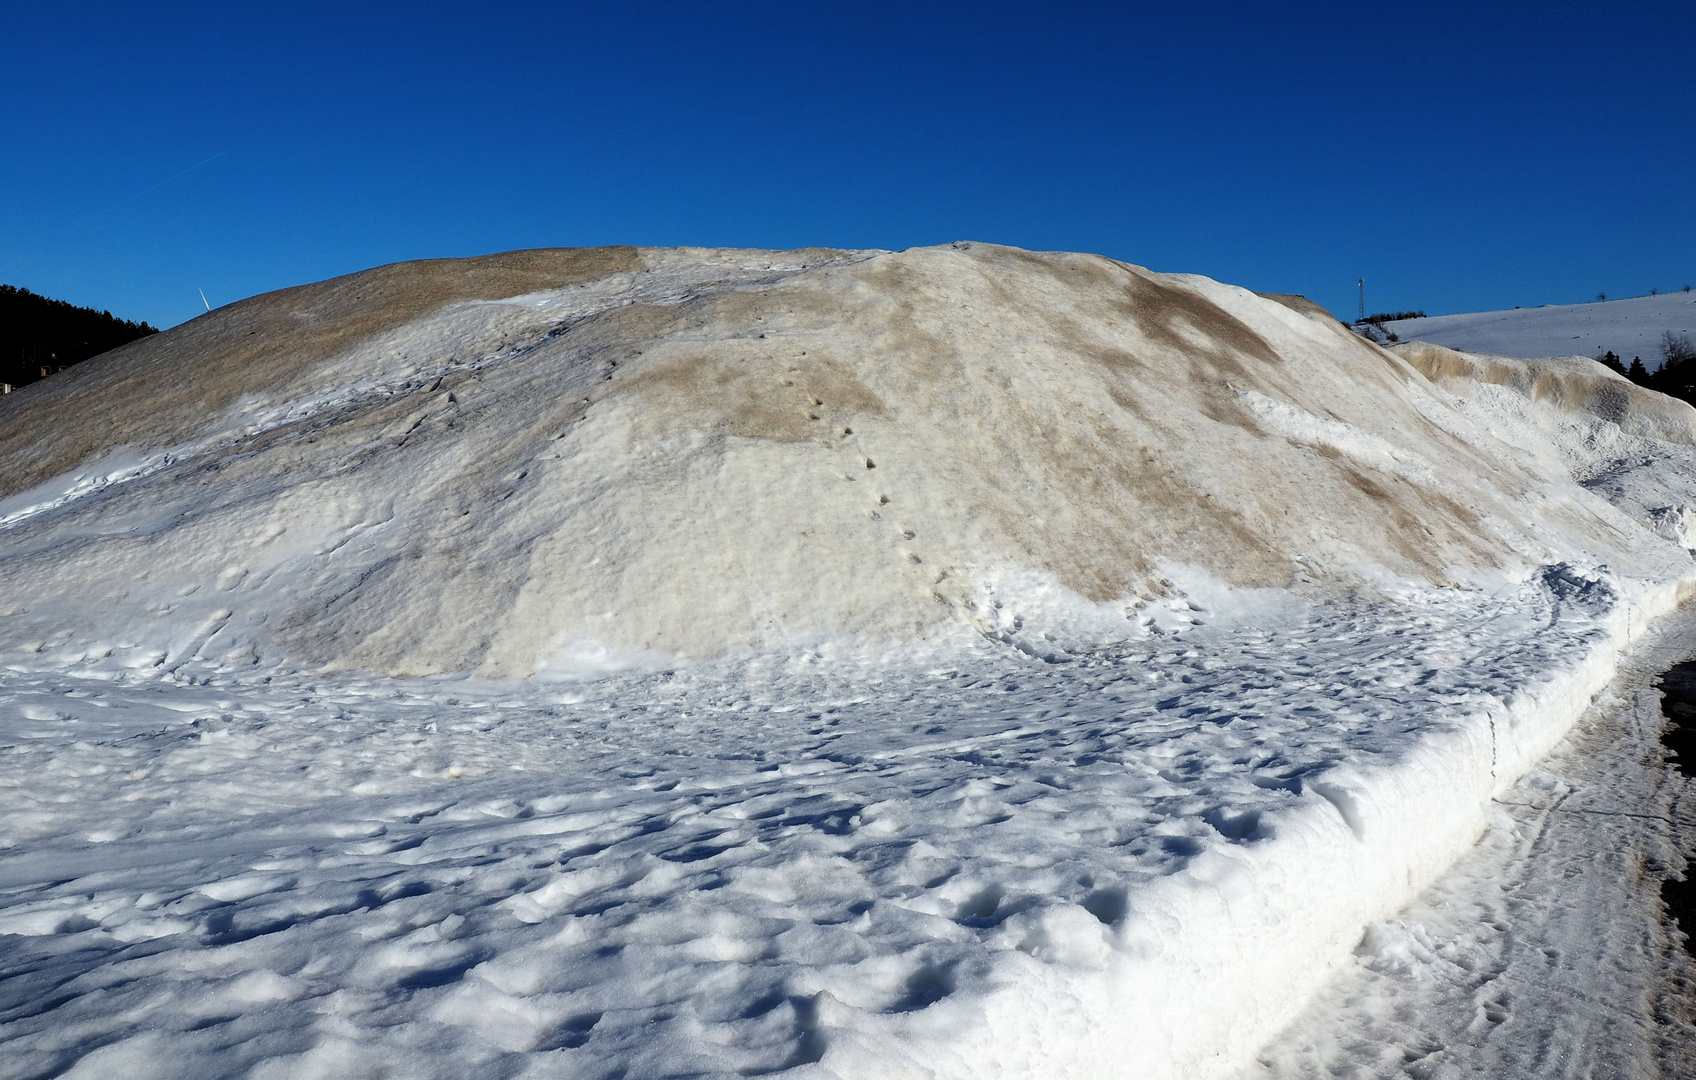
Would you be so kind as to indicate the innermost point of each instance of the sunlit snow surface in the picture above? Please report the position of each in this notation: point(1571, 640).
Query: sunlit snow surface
point(734, 869)
point(1628, 328)
point(946, 839)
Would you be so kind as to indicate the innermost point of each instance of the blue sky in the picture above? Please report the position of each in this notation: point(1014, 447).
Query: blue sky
point(1459, 156)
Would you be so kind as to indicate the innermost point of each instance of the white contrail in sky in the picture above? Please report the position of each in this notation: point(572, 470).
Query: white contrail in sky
point(168, 179)
point(202, 293)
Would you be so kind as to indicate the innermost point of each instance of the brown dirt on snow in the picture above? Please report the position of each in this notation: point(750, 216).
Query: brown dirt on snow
point(161, 390)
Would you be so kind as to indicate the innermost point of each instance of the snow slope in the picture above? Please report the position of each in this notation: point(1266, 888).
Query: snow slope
point(1628, 328)
point(955, 662)
point(796, 445)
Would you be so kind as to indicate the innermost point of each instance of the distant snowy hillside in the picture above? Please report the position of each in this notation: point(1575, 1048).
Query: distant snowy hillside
point(1627, 328)
point(952, 663)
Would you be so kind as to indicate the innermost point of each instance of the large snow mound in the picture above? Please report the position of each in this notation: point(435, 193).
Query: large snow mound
point(577, 461)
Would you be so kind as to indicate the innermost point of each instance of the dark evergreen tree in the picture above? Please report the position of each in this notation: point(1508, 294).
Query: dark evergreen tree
point(1611, 362)
point(39, 336)
point(1637, 373)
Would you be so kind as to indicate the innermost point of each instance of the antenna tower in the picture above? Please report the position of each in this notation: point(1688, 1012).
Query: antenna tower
point(1362, 284)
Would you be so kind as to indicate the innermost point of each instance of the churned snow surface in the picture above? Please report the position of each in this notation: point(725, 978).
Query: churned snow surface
point(965, 862)
point(962, 662)
point(1628, 328)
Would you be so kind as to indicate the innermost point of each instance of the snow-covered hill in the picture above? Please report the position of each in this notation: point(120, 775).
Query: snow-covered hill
point(1627, 328)
point(953, 662)
point(674, 454)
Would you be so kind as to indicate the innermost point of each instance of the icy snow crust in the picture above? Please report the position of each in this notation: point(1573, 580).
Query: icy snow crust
point(950, 663)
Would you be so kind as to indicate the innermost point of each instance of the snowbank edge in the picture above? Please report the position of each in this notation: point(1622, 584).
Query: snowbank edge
point(1208, 965)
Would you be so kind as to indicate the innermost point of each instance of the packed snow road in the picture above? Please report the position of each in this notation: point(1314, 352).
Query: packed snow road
point(819, 862)
point(1546, 951)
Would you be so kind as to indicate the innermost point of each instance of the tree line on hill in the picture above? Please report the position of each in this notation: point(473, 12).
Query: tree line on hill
point(39, 336)
point(1676, 375)
point(1372, 326)
point(1383, 317)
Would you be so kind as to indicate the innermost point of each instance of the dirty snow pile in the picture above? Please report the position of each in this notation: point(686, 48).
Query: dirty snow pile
point(957, 662)
point(1628, 328)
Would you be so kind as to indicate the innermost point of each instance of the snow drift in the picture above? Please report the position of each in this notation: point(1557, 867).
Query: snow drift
point(558, 461)
point(1011, 664)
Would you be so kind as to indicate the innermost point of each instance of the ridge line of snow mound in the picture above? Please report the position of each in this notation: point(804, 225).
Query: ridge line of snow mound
point(1207, 965)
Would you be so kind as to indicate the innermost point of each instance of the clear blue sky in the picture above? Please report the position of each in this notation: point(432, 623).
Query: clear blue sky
point(1460, 156)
